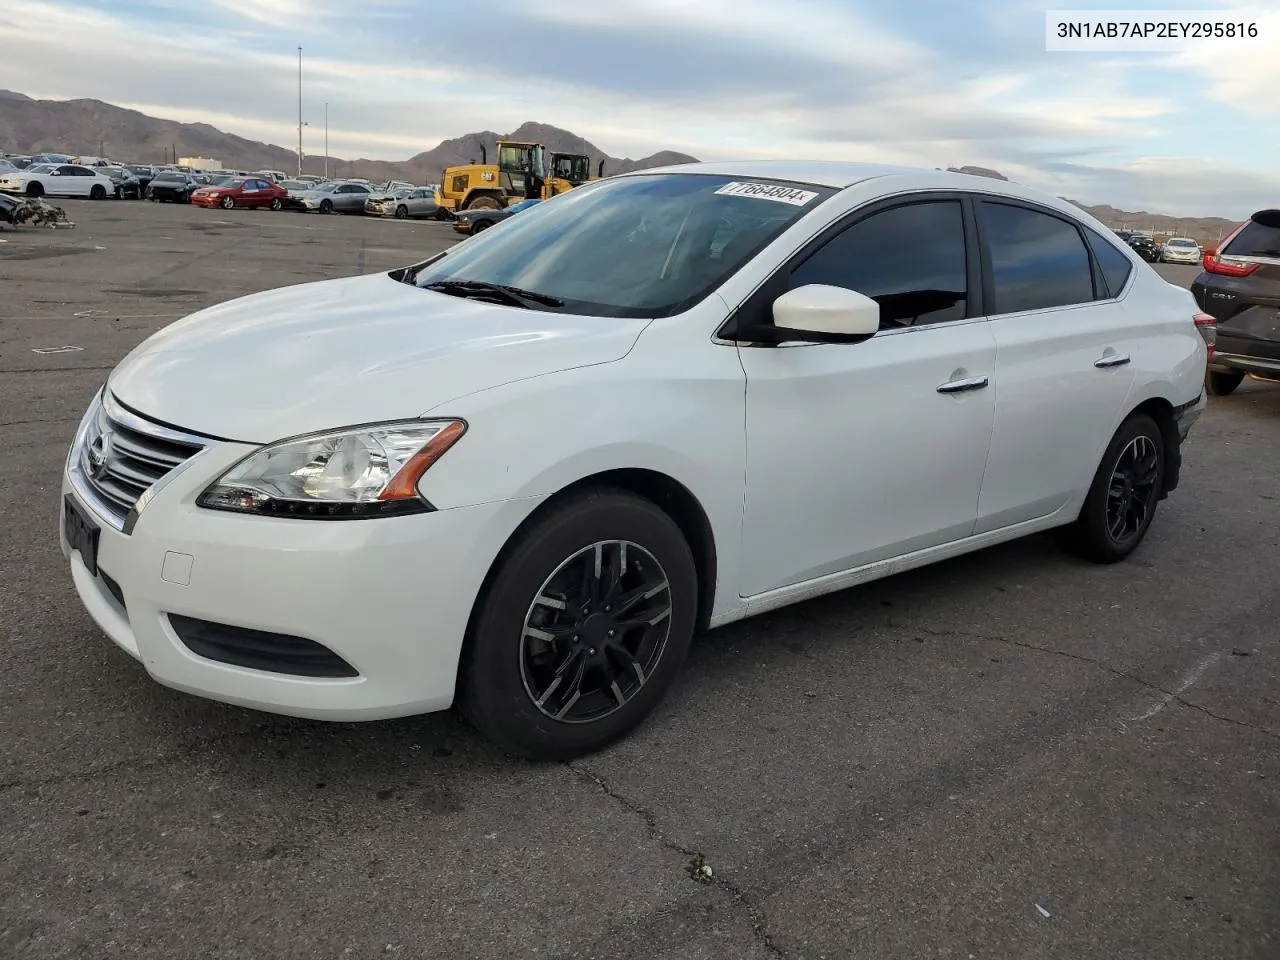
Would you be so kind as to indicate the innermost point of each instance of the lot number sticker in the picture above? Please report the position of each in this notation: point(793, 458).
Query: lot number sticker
point(768, 191)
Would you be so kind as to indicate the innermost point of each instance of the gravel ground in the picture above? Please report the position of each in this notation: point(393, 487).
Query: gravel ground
point(1009, 755)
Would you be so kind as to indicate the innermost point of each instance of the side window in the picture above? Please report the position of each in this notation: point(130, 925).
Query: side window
point(1038, 261)
point(347, 189)
point(909, 259)
point(1115, 266)
point(81, 172)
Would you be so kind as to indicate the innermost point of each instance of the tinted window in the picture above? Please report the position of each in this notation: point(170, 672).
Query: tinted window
point(1037, 261)
point(81, 172)
point(1257, 239)
point(1115, 266)
point(910, 260)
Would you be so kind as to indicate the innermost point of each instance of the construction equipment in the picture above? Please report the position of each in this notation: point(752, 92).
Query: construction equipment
point(524, 171)
point(568, 170)
point(519, 174)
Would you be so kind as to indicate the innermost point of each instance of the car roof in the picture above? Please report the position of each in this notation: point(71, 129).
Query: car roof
point(840, 174)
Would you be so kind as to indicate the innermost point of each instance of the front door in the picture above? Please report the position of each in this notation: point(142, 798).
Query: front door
point(861, 452)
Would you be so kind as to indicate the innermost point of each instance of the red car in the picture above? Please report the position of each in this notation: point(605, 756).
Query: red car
point(241, 192)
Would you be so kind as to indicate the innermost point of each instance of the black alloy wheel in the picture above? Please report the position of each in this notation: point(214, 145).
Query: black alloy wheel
point(582, 627)
point(1133, 490)
point(594, 631)
point(1126, 490)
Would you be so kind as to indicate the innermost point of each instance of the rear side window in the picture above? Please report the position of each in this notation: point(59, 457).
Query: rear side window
point(1115, 266)
point(1038, 261)
point(909, 259)
point(1259, 238)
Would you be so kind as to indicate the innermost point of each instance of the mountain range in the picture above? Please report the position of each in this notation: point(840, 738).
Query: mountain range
point(91, 126)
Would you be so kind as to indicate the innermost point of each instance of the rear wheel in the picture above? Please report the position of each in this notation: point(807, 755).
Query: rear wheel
point(277, 203)
point(484, 203)
point(97, 192)
point(1122, 500)
point(35, 189)
point(1221, 383)
point(585, 623)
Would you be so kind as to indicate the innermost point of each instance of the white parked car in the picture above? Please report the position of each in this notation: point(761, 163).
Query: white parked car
point(59, 180)
point(522, 482)
point(1180, 250)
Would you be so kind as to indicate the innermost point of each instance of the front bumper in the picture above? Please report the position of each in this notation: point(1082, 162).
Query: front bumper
point(391, 596)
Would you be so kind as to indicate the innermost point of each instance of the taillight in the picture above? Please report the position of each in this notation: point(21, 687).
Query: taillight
point(1214, 263)
point(1207, 325)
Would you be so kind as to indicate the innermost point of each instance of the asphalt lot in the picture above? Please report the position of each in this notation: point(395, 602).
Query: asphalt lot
point(910, 769)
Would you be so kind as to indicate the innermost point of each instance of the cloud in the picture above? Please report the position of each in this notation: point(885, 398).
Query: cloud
point(920, 82)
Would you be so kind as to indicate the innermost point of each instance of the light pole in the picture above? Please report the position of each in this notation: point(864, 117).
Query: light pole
point(326, 139)
point(299, 111)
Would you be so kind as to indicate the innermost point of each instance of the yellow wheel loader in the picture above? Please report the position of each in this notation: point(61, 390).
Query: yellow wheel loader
point(523, 172)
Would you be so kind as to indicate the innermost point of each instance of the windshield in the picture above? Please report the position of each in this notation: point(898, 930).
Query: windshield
point(642, 246)
point(170, 175)
point(1182, 243)
point(230, 182)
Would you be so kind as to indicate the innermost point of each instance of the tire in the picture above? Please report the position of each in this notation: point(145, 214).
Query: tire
point(97, 192)
point(501, 676)
point(35, 189)
point(402, 212)
point(479, 225)
point(483, 203)
point(1222, 383)
point(443, 215)
point(277, 204)
point(326, 206)
point(228, 203)
point(1138, 443)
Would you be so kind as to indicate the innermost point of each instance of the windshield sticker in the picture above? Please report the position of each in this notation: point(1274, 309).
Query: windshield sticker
point(768, 191)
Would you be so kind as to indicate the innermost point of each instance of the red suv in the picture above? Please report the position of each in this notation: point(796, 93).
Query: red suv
point(241, 192)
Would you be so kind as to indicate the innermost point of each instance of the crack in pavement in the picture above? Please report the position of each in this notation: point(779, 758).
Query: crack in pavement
point(23, 423)
point(759, 922)
point(1170, 695)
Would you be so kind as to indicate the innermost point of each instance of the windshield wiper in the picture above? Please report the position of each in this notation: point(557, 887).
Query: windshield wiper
point(515, 296)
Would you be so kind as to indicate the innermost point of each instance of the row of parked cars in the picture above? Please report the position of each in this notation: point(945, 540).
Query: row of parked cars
point(61, 176)
point(1173, 250)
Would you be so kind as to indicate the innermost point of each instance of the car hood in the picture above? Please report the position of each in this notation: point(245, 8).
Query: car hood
point(338, 352)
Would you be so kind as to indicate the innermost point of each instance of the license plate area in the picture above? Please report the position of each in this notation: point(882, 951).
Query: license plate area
point(81, 533)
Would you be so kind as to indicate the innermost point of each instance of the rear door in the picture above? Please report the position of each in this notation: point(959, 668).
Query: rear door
point(1064, 351)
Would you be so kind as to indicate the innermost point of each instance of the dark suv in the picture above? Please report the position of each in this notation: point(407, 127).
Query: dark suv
point(1240, 286)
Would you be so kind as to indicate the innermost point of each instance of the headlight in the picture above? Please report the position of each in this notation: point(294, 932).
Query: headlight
point(343, 475)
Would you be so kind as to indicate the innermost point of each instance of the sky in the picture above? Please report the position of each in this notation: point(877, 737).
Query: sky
point(919, 82)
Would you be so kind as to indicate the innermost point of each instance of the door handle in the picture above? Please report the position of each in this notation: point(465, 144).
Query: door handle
point(1112, 360)
point(960, 386)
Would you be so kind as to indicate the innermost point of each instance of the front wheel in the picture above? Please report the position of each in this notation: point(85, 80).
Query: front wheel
point(35, 189)
point(402, 212)
point(585, 624)
point(228, 203)
point(1122, 500)
point(326, 206)
point(1221, 383)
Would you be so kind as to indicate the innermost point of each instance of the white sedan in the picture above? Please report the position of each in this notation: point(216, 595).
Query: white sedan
point(522, 482)
point(1180, 250)
point(59, 180)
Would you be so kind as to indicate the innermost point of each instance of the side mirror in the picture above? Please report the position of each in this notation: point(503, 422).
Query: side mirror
point(818, 313)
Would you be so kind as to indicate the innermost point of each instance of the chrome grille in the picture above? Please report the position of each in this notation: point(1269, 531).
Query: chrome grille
point(122, 455)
